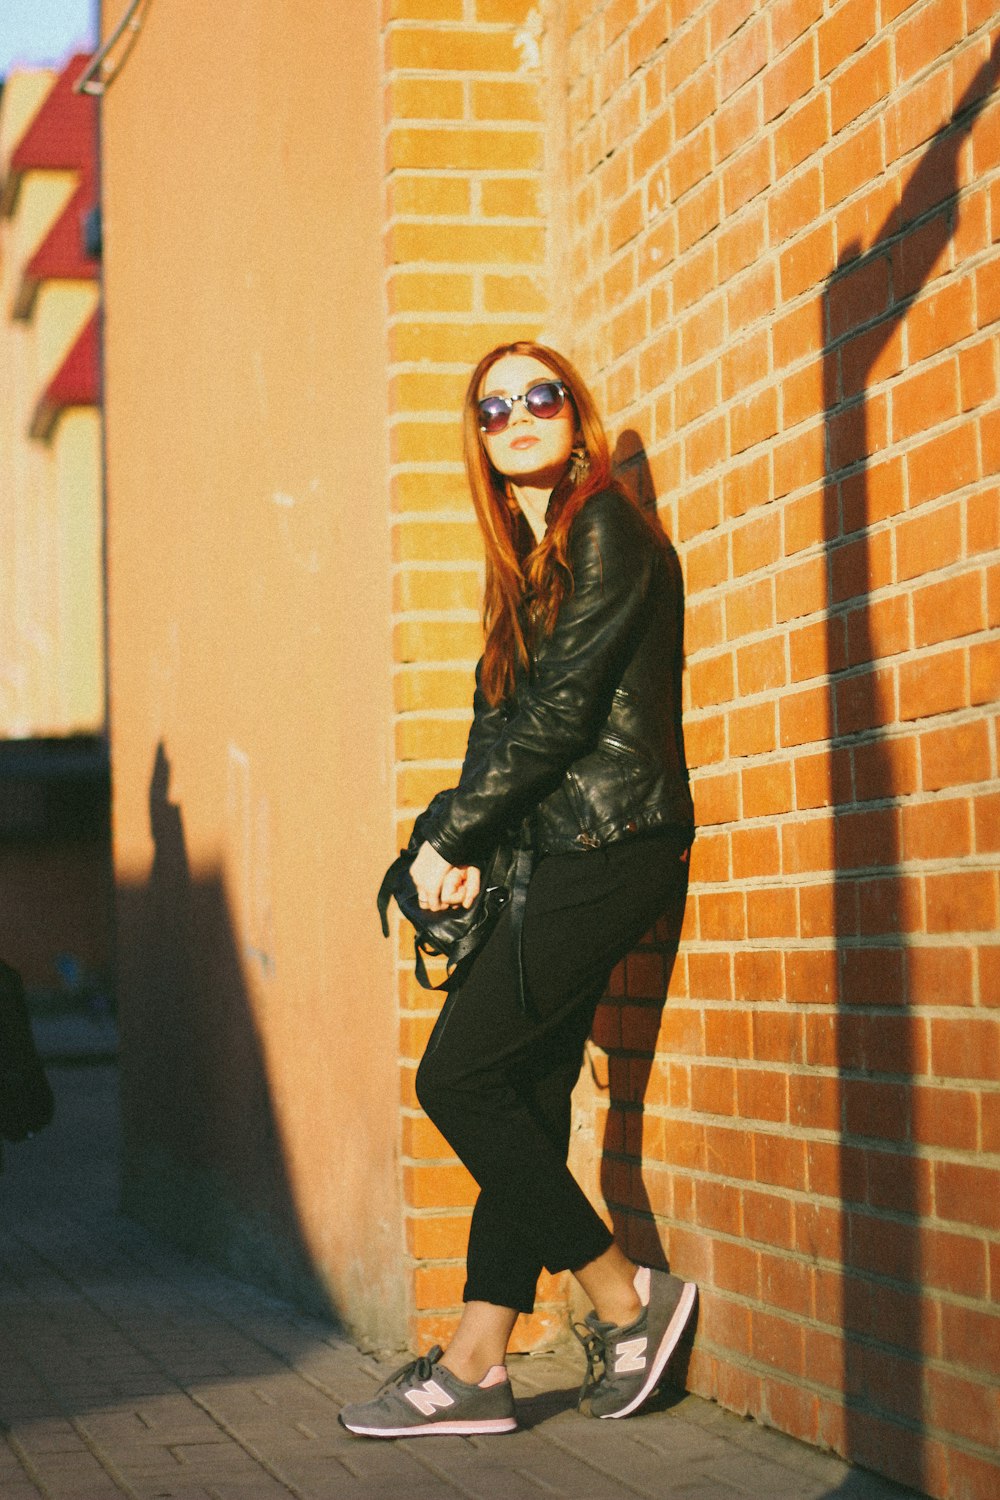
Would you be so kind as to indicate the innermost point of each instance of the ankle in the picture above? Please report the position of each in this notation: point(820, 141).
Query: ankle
point(473, 1369)
point(621, 1312)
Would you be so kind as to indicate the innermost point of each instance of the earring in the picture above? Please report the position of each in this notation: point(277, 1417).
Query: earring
point(579, 463)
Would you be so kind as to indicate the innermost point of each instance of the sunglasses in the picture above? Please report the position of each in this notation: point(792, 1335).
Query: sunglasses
point(546, 399)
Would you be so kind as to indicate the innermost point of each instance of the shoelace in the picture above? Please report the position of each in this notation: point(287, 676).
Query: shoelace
point(422, 1368)
point(595, 1347)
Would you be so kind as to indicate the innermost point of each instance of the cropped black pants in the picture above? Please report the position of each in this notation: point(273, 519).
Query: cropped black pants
point(496, 1080)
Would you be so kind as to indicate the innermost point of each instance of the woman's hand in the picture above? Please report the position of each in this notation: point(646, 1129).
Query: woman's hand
point(439, 884)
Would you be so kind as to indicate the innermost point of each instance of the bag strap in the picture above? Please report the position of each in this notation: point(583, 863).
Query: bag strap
point(385, 890)
point(518, 902)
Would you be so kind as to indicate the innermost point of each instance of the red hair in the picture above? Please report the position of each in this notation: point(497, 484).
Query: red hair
point(516, 568)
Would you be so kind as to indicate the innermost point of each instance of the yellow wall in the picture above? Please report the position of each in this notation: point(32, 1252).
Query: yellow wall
point(249, 645)
point(51, 606)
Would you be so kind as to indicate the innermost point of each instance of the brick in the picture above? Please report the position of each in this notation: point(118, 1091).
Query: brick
point(936, 830)
point(810, 977)
point(747, 54)
point(873, 975)
point(954, 1263)
point(874, 494)
point(936, 322)
point(859, 297)
point(790, 18)
point(977, 374)
point(721, 916)
point(767, 790)
point(878, 629)
point(461, 148)
point(747, 485)
point(855, 163)
point(800, 135)
point(803, 394)
point(805, 717)
point(849, 28)
point(794, 204)
point(872, 356)
point(915, 116)
point(425, 99)
point(865, 701)
point(962, 901)
point(795, 334)
point(781, 1162)
point(736, 121)
point(467, 51)
point(939, 975)
point(965, 1048)
point(925, 399)
point(438, 1187)
point(801, 589)
point(856, 432)
point(809, 517)
point(933, 685)
point(823, 911)
point(509, 294)
point(760, 666)
point(861, 566)
point(954, 756)
point(922, 40)
point(986, 812)
point(949, 609)
point(499, 99)
point(942, 465)
point(806, 263)
point(964, 1407)
point(771, 914)
point(926, 542)
point(861, 85)
point(789, 79)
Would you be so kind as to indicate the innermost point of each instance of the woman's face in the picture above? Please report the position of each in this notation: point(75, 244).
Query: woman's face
point(530, 450)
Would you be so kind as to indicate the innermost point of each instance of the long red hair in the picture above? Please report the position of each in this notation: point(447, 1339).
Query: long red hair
point(519, 572)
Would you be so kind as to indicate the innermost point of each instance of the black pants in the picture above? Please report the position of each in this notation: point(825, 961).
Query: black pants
point(497, 1081)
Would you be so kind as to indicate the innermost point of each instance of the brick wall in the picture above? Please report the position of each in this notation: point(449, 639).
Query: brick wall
point(768, 234)
point(465, 268)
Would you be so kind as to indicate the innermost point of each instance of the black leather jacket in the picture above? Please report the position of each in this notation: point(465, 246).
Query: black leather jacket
point(591, 739)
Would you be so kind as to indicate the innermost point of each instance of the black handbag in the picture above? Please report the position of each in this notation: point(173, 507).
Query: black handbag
point(456, 933)
point(26, 1102)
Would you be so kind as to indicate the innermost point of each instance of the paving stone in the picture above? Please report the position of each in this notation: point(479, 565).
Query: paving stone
point(128, 1369)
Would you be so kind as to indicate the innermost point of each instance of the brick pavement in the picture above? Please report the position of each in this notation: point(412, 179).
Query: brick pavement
point(128, 1369)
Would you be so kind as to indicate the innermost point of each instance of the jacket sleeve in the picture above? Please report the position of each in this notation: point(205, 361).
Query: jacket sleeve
point(559, 713)
point(487, 723)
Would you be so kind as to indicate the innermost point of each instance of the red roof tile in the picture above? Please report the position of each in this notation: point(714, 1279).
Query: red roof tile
point(63, 133)
point(77, 381)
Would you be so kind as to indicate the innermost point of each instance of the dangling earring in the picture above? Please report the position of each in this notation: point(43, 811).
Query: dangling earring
point(579, 463)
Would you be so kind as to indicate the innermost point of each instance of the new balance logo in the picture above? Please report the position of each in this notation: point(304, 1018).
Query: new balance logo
point(430, 1397)
point(630, 1356)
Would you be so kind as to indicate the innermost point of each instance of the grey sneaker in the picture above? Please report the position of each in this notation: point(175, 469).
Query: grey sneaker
point(634, 1358)
point(424, 1397)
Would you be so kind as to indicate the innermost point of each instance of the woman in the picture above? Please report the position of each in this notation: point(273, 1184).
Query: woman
point(576, 727)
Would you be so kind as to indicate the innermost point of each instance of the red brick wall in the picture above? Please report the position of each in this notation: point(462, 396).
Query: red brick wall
point(768, 234)
point(784, 221)
point(465, 268)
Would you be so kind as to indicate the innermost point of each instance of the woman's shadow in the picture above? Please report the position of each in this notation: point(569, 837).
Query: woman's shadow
point(628, 1021)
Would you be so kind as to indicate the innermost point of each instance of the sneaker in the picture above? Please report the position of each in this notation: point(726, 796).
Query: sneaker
point(634, 1358)
point(424, 1397)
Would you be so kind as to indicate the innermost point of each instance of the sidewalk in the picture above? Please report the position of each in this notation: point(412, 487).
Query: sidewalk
point(127, 1369)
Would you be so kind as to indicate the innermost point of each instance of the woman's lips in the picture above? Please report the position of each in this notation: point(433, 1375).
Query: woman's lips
point(524, 442)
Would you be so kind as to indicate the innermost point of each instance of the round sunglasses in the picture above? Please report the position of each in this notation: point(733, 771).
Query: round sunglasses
point(545, 399)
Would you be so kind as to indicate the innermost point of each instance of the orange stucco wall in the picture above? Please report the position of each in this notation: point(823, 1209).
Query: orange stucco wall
point(249, 644)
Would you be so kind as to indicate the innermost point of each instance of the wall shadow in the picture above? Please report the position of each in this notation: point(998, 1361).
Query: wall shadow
point(627, 1023)
point(882, 1188)
point(202, 1159)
